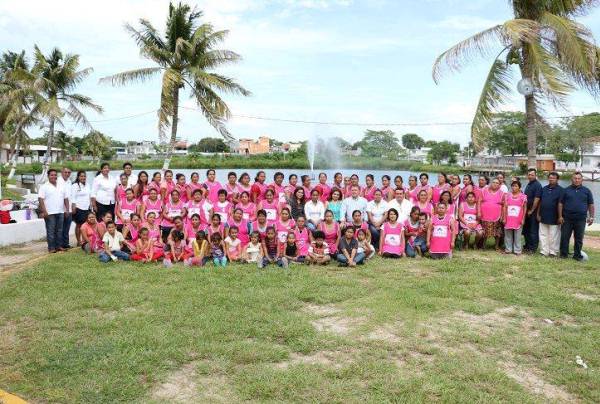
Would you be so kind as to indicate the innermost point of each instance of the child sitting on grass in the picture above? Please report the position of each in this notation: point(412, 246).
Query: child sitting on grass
point(288, 251)
point(233, 245)
point(144, 248)
point(113, 243)
point(348, 250)
point(178, 251)
point(270, 249)
point(318, 252)
point(217, 250)
point(363, 245)
point(200, 249)
point(252, 251)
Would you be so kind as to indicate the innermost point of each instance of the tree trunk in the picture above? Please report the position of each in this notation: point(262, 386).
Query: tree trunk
point(174, 122)
point(13, 159)
point(530, 114)
point(48, 156)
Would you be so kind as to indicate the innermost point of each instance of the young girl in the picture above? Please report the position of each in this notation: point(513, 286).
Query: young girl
point(167, 186)
point(140, 189)
point(288, 251)
point(144, 248)
point(391, 242)
point(415, 243)
point(200, 250)
point(470, 226)
point(335, 204)
point(318, 252)
point(181, 187)
point(217, 250)
point(222, 207)
point(515, 205)
point(284, 225)
point(152, 204)
point(440, 234)
point(271, 206)
point(194, 186)
point(363, 245)
point(237, 220)
point(331, 232)
point(233, 245)
point(154, 233)
point(303, 237)
point(172, 209)
point(252, 251)
point(215, 226)
point(125, 208)
point(270, 249)
point(248, 208)
point(131, 232)
point(192, 227)
point(178, 251)
point(260, 224)
point(348, 249)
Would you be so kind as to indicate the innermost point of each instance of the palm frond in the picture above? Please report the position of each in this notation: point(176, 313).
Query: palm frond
point(171, 81)
point(215, 110)
point(547, 75)
point(494, 92)
point(213, 80)
point(131, 76)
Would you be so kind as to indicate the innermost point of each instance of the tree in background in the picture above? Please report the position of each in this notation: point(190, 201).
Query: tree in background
point(412, 141)
point(443, 151)
point(508, 134)
point(379, 144)
point(186, 57)
point(550, 49)
point(210, 145)
point(573, 137)
point(97, 145)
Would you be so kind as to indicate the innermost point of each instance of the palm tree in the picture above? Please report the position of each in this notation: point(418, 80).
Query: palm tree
point(55, 77)
point(186, 58)
point(555, 53)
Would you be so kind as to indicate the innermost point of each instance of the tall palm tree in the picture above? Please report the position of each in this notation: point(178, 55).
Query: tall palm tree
point(186, 57)
point(56, 75)
point(551, 50)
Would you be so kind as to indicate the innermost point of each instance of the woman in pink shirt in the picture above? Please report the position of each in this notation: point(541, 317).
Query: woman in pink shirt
point(490, 212)
point(515, 206)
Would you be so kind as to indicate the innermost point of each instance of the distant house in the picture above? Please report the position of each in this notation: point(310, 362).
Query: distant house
point(545, 162)
point(419, 155)
point(247, 147)
point(291, 147)
point(33, 153)
point(144, 147)
point(181, 148)
point(590, 159)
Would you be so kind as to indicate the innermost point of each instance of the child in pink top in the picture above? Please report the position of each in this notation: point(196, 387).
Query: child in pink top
point(303, 237)
point(515, 205)
point(237, 220)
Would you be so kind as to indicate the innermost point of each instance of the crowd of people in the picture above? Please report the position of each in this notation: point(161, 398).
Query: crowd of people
point(168, 218)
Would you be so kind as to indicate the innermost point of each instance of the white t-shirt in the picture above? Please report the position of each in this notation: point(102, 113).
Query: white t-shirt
point(114, 242)
point(132, 180)
point(103, 189)
point(377, 210)
point(504, 188)
point(66, 184)
point(403, 209)
point(233, 244)
point(80, 196)
point(253, 251)
point(315, 212)
point(54, 198)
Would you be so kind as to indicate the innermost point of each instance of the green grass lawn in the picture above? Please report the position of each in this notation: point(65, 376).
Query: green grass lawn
point(480, 327)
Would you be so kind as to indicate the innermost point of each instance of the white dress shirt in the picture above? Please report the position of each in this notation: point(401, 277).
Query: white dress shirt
point(403, 209)
point(315, 212)
point(377, 210)
point(54, 198)
point(103, 189)
point(66, 184)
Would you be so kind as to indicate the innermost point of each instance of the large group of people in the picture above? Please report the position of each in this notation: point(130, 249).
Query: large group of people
point(168, 218)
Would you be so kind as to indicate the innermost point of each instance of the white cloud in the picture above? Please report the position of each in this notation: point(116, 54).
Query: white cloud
point(466, 23)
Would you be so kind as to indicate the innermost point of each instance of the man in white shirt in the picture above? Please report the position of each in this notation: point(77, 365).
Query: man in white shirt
point(377, 214)
point(401, 204)
point(103, 192)
point(352, 203)
point(64, 181)
point(131, 178)
point(314, 210)
point(53, 204)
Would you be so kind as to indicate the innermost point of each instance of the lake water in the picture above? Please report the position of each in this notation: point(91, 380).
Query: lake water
point(222, 177)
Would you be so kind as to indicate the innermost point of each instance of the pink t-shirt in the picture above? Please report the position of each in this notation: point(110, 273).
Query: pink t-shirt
point(514, 210)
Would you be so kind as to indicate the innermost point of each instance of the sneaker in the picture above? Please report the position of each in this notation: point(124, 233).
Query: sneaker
point(167, 263)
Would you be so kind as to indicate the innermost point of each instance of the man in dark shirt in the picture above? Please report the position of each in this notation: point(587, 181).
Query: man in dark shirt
point(531, 228)
point(547, 216)
point(576, 204)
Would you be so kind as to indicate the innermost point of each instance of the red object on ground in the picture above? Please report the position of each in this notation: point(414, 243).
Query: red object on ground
point(4, 217)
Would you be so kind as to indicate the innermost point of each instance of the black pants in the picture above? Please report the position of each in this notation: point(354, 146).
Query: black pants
point(102, 209)
point(531, 231)
point(67, 220)
point(571, 226)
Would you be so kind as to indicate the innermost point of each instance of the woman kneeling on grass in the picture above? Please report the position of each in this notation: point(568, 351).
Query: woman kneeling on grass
point(144, 248)
point(348, 254)
point(113, 243)
point(467, 215)
point(391, 243)
point(91, 234)
point(440, 235)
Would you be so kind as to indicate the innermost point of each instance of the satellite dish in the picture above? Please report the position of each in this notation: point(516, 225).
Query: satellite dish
point(525, 87)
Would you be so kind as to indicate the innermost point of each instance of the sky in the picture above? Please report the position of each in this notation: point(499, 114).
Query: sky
point(312, 60)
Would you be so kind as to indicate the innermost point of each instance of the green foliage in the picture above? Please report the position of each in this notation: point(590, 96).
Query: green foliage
point(412, 141)
point(508, 134)
point(210, 145)
point(97, 145)
point(382, 143)
point(443, 151)
point(572, 137)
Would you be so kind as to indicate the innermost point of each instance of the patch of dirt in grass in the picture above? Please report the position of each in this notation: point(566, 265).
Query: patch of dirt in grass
point(112, 314)
point(488, 323)
point(386, 333)
point(334, 359)
point(583, 296)
point(321, 310)
point(591, 242)
point(330, 321)
point(184, 385)
point(8, 335)
point(530, 380)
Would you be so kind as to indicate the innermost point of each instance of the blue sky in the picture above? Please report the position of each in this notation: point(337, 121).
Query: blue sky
point(323, 60)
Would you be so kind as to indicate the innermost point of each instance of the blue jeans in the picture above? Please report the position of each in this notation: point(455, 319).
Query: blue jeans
point(104, 257)
point(54, 231)
point(359, 258)
point(67, 220)
point(411, 250)
point(531, 231)
point(220, 261)
point(375, 234)
point(577, 228)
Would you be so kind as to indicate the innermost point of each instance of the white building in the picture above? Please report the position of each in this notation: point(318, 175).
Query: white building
point(141, 148)
point(590, 159)
point(33, 153)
